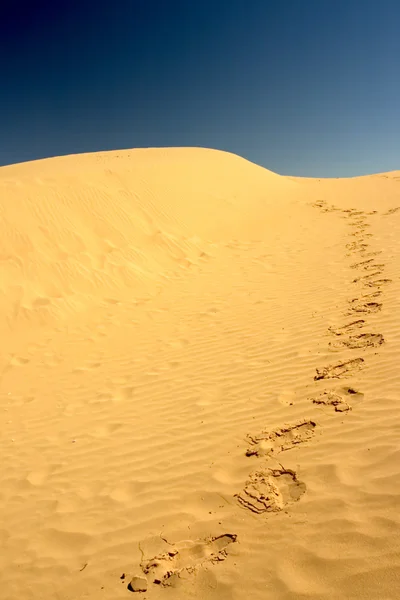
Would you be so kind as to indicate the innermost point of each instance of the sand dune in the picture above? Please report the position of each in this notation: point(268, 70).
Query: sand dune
point(199, 380)
point(99, 225)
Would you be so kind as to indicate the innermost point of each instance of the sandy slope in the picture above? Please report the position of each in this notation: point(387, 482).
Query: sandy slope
point(199, 363)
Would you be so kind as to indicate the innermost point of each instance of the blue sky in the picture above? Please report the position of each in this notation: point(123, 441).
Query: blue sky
point(301, 87)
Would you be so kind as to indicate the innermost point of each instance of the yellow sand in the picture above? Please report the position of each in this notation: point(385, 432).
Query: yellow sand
point(163, 312)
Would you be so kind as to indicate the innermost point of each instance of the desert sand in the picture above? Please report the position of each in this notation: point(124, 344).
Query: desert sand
point(199, 380)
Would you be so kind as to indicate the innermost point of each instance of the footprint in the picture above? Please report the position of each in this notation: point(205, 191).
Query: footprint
point(319, 204)
point(361, 264)
point(278, 440)
point(373, 253)
point(349, 328)
point(362, 340)
point(356, 247)
point(366, 278)
point(339, 400)
point(187, 556)
point(270, 490)
point(360, 232)
point(323, 206)
point(341, 369)
point(364, 307)
point(391, 211)
point(369, 265)
point(361, 224)
point(379, 266)
point(371, 296)
point(332, 399)
point(378, 282)
point(327, 207)
point(353, 212)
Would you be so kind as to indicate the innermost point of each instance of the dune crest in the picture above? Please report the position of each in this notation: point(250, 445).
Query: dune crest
point(76, 228)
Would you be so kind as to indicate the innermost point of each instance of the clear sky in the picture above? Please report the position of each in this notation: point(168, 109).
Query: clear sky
point(301, 87)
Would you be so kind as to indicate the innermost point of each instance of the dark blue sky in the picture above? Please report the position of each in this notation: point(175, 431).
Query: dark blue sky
point(302, 87)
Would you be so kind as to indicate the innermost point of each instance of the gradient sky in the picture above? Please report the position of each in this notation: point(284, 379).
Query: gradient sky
point(301, 87)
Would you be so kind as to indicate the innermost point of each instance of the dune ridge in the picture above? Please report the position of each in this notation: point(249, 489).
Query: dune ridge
point(98, 223)
point(198, 379)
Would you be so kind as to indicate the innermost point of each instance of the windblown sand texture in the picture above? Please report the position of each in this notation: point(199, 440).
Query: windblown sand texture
point(199, 380)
